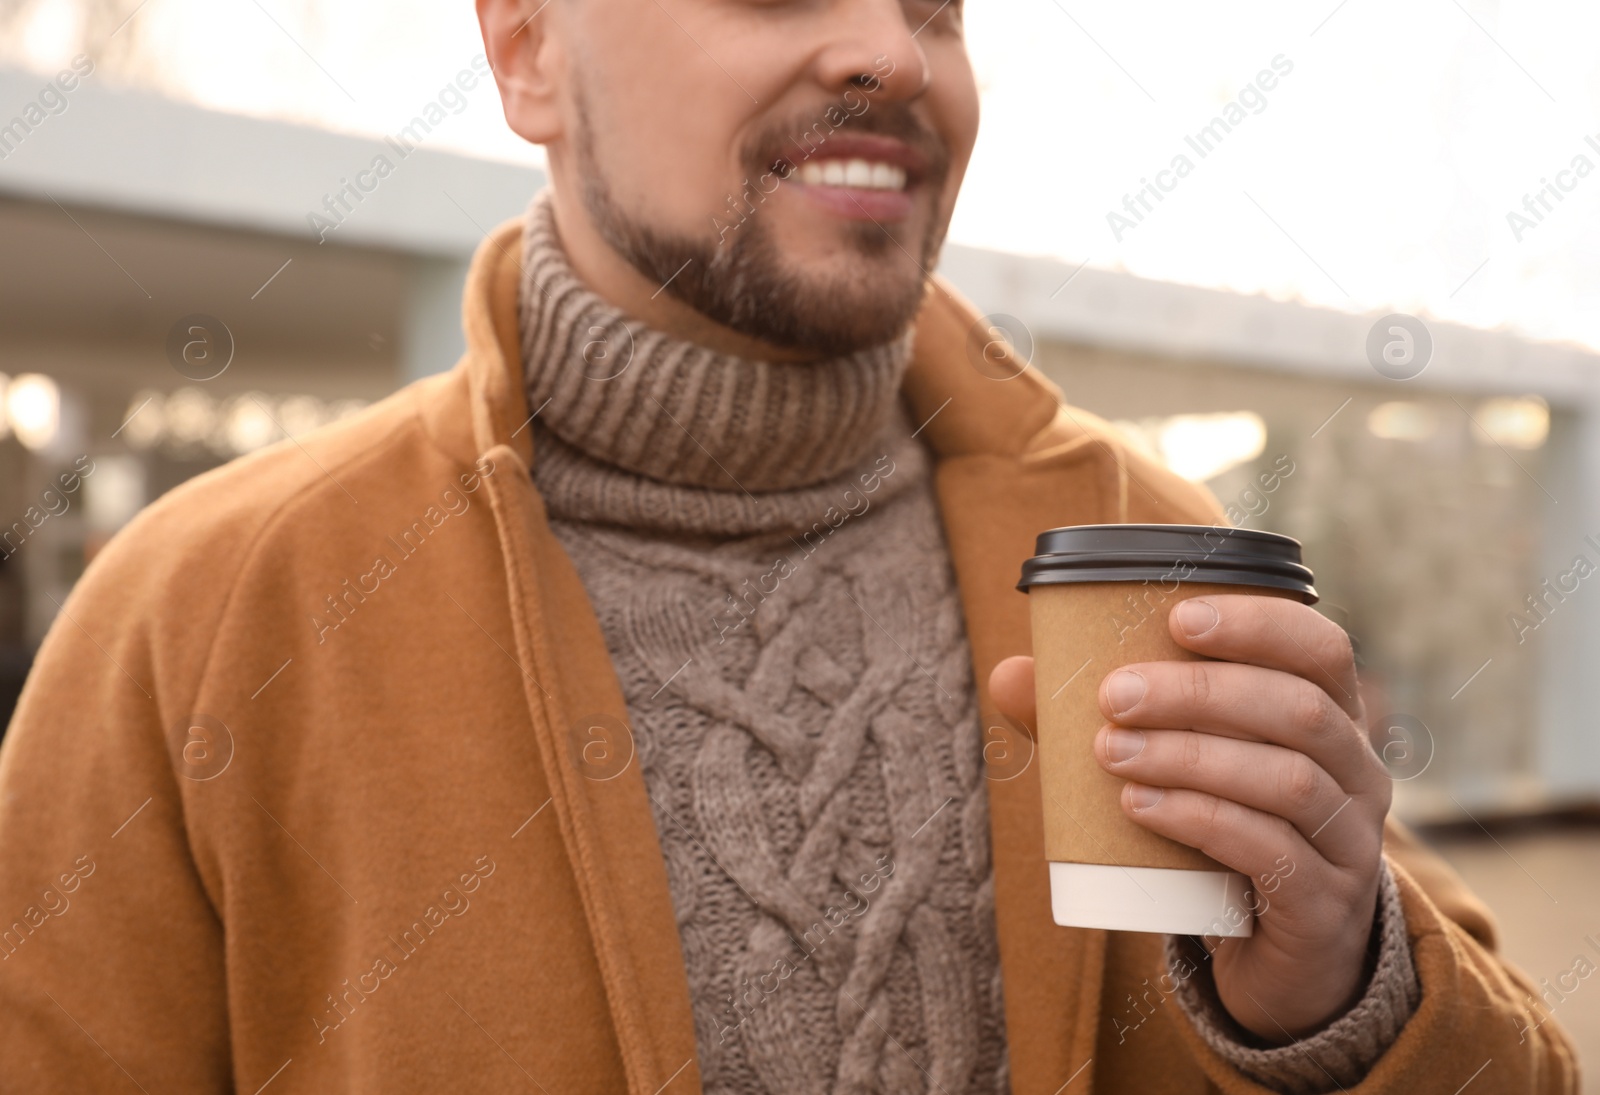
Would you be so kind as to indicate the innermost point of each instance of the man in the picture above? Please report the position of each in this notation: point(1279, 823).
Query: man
point(617, 712)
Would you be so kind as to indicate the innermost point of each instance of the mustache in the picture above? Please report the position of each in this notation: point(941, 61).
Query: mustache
point(783, 145)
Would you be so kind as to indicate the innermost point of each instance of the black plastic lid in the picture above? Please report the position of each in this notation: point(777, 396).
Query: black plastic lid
point(1165, 553)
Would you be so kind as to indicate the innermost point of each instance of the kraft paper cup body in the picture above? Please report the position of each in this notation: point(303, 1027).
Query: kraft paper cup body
point(1105, 870)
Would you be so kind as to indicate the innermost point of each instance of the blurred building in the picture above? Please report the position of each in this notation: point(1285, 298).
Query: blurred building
point(172, 296)
point(1452, 519)
point(178, 287)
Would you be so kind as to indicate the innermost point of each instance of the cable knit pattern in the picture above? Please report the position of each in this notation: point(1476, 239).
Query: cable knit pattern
point(763, 550)
point(1332, 1059)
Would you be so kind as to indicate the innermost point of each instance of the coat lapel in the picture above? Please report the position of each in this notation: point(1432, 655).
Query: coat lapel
point(578, 716)
point(997, 490)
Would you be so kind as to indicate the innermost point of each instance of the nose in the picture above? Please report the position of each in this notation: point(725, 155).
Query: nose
point(874, 47)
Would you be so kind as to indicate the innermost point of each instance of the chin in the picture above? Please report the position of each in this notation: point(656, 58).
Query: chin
point(782, 277)
point(861, 289)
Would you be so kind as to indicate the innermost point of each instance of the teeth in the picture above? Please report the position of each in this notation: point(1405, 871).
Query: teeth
point(858, 174)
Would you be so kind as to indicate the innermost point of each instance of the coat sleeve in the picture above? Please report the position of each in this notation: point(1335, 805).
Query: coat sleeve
point(111, 953)
point(1343, 1052)
point(1479, 1020)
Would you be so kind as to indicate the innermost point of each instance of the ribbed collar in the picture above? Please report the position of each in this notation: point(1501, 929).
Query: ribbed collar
point(638, 399)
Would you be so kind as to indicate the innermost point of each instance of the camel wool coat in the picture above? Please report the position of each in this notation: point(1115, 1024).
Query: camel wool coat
point(298, 799)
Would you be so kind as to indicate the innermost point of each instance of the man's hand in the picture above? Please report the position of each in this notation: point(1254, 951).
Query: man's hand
point(1260, 755)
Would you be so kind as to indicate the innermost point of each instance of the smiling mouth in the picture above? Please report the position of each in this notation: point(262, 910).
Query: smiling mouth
point(861, 176)
point(856, 174)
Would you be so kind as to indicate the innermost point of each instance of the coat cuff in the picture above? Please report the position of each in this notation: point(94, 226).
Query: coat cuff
point(1341, 1054)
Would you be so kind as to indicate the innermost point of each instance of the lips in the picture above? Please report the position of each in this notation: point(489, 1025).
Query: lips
point(860, 177)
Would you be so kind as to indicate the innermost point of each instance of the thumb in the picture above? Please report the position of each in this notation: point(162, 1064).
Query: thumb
point(1011, 685)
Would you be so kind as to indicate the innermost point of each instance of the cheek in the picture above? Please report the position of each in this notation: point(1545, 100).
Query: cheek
point(952, 109)
point(953, 102)
point(674, 156)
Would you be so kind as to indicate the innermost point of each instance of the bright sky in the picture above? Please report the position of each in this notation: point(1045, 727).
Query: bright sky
point(1377, 175)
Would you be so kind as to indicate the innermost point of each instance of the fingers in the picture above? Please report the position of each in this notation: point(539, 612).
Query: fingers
point(1310, 896)
point(1239, 837)
point(1011, 685)
point(1267, 778)
point(1246, 702)
point(1273, 633)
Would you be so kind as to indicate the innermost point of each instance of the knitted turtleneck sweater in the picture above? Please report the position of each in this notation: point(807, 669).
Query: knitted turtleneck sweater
point(761, 545)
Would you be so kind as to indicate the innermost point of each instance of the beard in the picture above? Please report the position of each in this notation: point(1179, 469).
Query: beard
point(743, 281)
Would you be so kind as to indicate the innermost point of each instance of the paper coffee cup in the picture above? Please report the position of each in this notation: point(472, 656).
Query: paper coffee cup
point(1099, 598)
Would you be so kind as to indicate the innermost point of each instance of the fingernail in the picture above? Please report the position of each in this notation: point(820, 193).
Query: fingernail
point(1142, 797)
point(1125, 689)
point(1196, 617)
point(1123, 744)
